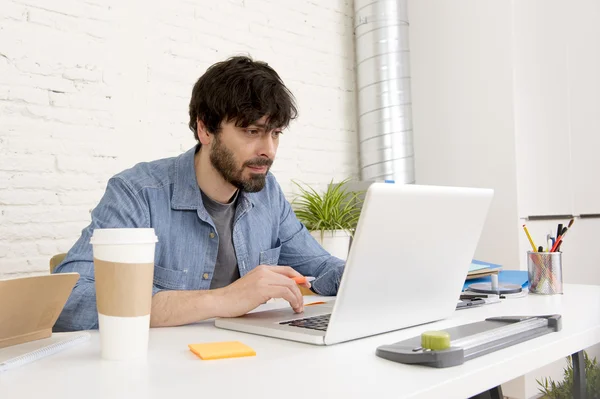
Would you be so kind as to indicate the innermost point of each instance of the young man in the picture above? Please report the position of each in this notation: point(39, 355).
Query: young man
point(228, 239)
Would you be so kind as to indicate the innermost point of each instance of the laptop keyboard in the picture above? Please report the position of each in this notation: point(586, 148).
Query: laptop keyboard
point(314, 323)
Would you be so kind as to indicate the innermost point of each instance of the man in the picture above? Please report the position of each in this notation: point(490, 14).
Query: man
point(228, 239)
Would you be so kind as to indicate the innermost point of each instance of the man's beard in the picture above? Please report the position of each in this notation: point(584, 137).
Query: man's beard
point(223, 161)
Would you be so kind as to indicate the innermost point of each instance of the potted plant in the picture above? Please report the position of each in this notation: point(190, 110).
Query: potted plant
point(564, 389)
point(331, 217)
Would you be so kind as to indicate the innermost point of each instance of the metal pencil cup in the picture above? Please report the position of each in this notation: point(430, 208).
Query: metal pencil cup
point(545, 272)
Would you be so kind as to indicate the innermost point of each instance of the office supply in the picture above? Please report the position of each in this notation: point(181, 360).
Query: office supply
point(517, 277)
point(529, 238)
point(482, 273)
point(21, 354)
point(549, 239)
point(470, 303)
point(477, 266)
point(393, 275)
point(476, 262)
point(303, 279)
point(565, 230)
point(545, 273)
point(500, 289)
point(559, 230)
point(556, 244)
point(457, 345)
point(29, 306)
point(221, 350)
point(480, 269)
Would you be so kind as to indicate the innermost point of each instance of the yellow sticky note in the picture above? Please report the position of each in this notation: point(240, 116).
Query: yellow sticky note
point(221, 350)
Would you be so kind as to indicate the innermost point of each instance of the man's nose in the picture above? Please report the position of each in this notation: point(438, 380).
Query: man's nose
point(268, 147)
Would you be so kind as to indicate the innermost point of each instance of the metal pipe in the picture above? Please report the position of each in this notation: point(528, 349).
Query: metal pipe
point(383, 85)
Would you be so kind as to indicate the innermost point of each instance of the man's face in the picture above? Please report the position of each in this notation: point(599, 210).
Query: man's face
point(244, 156)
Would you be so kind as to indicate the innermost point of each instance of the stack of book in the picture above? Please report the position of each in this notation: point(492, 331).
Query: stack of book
point(480, 269)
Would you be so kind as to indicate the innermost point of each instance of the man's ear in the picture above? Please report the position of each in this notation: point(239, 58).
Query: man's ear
point(204, 135)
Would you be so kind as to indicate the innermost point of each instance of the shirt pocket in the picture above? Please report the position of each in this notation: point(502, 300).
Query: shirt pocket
point(270, 256)
point(169, 279)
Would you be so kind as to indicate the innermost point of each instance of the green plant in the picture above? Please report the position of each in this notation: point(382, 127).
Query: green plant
point(335, 209)
point(564, 389)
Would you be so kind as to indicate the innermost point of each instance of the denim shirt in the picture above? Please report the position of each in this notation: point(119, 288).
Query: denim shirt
point(164, 195)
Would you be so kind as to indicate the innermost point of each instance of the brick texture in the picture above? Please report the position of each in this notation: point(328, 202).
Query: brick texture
point(90, 88)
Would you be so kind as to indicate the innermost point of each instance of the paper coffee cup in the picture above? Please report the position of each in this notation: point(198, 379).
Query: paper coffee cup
point(124, 272)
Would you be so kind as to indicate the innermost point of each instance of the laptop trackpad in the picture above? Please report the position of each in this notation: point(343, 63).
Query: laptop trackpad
point(285, 314)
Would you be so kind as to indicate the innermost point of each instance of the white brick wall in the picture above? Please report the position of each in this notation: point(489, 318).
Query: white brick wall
point(90, 88)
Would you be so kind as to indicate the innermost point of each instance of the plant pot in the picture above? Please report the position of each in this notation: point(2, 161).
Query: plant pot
point(336, 242)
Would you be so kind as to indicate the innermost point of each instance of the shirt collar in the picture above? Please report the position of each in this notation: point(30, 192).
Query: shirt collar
point(186, 193)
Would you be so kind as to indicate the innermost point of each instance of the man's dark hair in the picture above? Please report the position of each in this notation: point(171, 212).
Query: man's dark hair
point(242, 91)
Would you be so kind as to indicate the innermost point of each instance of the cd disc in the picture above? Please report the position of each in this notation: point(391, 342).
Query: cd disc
point(486, 288)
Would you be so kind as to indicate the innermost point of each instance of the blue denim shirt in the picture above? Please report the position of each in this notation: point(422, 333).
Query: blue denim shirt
point(164, 194)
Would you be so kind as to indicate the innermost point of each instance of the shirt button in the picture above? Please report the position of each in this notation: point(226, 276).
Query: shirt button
point(211, 235)
point(205, 276)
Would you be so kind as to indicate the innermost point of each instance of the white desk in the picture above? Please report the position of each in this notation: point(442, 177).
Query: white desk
point(294, 370)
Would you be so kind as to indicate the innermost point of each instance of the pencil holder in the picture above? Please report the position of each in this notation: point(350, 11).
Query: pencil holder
point(545, 272)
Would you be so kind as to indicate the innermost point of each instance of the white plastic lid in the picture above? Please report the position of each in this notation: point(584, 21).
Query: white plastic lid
point(124, 236)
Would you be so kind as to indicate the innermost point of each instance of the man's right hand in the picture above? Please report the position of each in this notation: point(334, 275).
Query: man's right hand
point(257, 287)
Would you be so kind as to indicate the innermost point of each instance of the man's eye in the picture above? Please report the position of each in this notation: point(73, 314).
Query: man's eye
point(277, 133)
point(252, 131)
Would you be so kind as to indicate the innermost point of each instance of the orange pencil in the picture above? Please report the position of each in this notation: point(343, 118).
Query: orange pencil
point(302, 279)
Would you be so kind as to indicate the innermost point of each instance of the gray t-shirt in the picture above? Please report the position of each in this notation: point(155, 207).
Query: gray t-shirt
point(226, 269)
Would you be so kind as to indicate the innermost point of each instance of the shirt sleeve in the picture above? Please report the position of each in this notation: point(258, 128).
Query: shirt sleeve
point(119, 207)
point(301, 251)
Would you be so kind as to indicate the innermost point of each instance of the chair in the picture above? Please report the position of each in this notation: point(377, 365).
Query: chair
point(56, 260)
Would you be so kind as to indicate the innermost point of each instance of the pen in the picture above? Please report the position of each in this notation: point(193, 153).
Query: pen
point(562, 236)
point(559, 230)
point(530, 240)
point(557, 243)
point(564, 233)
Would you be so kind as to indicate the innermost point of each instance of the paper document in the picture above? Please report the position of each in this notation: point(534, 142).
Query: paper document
point(18, 355)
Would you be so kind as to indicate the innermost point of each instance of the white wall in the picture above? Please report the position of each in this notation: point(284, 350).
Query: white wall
point(89, 88)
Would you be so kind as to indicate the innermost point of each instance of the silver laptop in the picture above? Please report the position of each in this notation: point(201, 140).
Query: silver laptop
point(407, 265)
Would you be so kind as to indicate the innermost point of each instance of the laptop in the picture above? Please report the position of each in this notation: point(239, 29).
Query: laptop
point(407, 264)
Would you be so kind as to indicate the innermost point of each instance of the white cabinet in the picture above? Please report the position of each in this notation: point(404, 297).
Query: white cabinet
point(583, 62)
point(557, 106)
point(541, 108)
point(507, 95)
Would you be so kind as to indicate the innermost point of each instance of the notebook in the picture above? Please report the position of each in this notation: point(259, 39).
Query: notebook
point(18, 355)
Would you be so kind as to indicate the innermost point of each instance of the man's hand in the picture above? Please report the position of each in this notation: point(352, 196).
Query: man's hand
point(257, 287)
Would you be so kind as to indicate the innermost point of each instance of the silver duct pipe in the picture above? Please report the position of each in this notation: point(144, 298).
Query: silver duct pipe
point(383, 84)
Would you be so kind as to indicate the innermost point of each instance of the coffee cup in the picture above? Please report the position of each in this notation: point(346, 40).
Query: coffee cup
point(124, 272)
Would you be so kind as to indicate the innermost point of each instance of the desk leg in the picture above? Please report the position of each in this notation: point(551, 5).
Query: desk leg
point(579, 383)
point(494, 393)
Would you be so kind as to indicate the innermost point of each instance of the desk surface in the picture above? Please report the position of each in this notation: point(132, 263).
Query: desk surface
point(288, 369)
